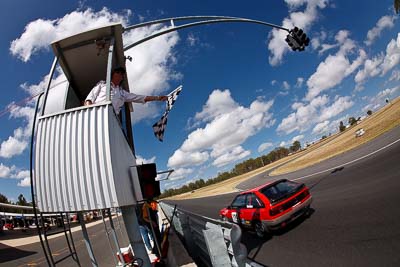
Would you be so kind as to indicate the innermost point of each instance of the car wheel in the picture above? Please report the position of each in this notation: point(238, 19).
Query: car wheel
point(308, 212)
point(260, 229)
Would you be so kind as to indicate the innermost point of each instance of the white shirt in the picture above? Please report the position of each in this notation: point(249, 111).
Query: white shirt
point(118, 96)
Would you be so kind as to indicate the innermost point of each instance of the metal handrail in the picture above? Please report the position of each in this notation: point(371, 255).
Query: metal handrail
point(31, 176)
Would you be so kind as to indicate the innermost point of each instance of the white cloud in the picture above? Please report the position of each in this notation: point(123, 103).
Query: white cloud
point(302, 19)
point(320, 128)
point(283, 93)
point(233, 155)
point(273, 82)
point(392, 57)
point(389, 92)
point(218, 103)
point(12, 147)
point(4, 171)
point(141, 160)
point(33, 89)
point(380, 64)
point(335, 68)
point(18, 142)
point(286, 85)
point(26, 182)
point(304, 114)
point(40, 33)
point(290, 142)
point(15, 173)
point(264, 146)
point(299, 82)
point(228, 125)
point(317, 39)
point(297, 138)
point(383, 22)
point(341, 104)
point(371, 69)
point(395, 76)
point(316, 111)
point(297, 105)
point(184, 159)
point(326, 47)
point(152, 68)
point(180, 173)
point(329, 74)
point(192, 40)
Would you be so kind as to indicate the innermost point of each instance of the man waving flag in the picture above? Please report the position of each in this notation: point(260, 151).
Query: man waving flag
point(159, 126)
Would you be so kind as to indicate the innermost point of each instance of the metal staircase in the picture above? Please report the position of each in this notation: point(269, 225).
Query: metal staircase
point(45, 232)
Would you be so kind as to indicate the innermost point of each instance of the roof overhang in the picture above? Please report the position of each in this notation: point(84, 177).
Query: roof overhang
point(84, 60)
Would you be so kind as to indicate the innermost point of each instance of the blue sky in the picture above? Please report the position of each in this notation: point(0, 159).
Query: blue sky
point(244, 92)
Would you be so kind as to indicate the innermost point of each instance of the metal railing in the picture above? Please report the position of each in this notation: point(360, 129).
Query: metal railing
point(209, 242)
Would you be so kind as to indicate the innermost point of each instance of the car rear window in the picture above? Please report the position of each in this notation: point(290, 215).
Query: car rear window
point(239, 201)
point(281, 190)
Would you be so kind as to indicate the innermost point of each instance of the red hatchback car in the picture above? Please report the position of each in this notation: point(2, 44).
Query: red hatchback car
point(269, 207)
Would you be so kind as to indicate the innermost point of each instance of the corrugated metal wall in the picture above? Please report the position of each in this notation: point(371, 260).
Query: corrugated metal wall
point(73, 161)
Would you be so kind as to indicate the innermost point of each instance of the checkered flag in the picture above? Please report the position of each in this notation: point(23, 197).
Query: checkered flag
point(161, 124)
point(172, 98)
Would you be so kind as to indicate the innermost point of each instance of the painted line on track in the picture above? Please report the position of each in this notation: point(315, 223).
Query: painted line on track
point(350, 162)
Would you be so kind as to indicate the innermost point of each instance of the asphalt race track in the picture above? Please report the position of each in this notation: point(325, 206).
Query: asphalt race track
point(356, 219)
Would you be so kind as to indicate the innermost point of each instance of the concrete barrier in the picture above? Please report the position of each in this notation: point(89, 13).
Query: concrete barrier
point(177, 254)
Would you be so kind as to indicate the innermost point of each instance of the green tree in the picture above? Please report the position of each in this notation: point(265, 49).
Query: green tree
point(369, 112)
point(281, 152)
point(4, 199)
point(22, 201)
point(295, 147)
point(396, 6)
point(342, 127)
point(352, 121)
point(323, 137)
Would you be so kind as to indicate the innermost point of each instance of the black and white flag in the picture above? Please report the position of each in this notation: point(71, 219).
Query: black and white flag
point(172, 98)
point(161, 124)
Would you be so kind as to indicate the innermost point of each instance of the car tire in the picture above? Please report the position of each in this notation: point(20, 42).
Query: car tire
point(308, 212)
point(260, 229)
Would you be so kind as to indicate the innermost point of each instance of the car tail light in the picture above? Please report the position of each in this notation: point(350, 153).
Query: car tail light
point(306, 193)
point(276, 210)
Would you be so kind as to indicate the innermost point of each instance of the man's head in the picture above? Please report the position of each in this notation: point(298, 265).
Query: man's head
point(117, 75)
point(119, 70)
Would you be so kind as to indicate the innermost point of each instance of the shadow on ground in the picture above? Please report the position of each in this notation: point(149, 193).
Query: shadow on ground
point(17, 233)
point(254, 243)
point(9, 253)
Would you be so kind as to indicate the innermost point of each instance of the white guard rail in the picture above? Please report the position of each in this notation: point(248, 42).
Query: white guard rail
point(209, 242)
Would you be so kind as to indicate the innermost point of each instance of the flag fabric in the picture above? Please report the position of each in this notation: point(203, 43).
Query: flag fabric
point(172, 98)
point(161, 124)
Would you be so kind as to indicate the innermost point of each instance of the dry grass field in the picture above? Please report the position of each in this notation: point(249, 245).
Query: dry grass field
point(378, 123)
